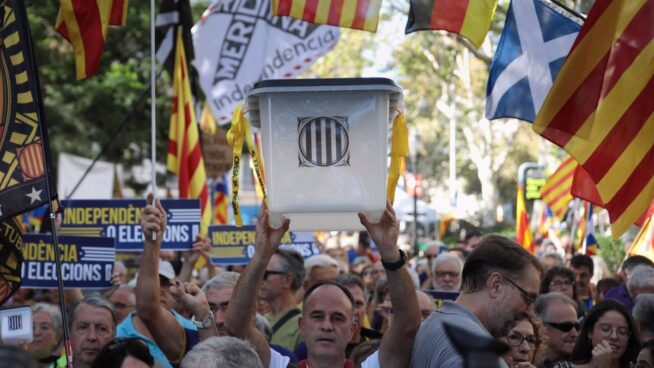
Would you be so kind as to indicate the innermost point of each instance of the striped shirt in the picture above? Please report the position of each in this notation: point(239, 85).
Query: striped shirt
point(433, 349)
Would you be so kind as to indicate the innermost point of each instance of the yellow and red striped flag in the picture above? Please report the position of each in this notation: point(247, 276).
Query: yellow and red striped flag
point(523, 233)
point(643, 244)
point(84, 23)
point(600, 107)
point(356, 14)
point(468, 18)
point(556, 190)
point(220, 202)
point(184, 151)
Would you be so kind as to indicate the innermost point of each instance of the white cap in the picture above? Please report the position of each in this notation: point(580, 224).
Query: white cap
point(165, 269)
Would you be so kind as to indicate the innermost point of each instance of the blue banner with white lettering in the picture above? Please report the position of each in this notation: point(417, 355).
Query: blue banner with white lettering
point(86, 262)
point(121, 219)
point(231, 245)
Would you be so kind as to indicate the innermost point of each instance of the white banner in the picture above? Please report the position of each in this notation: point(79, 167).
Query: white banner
point(98, 184)
point(239, 42)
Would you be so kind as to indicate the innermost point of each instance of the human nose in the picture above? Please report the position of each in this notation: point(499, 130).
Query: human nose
point(92, 334)
point(326, 325)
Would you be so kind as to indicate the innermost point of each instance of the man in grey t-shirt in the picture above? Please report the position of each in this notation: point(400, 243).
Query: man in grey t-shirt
point(500, 282)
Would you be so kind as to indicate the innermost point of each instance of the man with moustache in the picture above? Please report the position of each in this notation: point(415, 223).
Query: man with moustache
point(500, 283)
point(92, 324)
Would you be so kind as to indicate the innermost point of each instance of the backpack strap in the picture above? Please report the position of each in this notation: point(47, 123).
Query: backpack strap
point(290, 314)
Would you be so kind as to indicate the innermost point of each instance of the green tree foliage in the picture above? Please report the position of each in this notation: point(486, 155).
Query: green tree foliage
point(81, 115)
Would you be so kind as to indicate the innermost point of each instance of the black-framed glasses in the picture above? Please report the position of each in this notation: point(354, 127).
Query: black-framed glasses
point(529, 298)
point(563, 326)
point(272, 272)
point(516, 339)
point(561, 283)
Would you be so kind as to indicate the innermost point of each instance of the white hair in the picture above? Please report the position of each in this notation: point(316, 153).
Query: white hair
point(644, 312)
point(642, 277)
point(445, 257)
point(224, 280)
point(319, 260)
point(222, 352)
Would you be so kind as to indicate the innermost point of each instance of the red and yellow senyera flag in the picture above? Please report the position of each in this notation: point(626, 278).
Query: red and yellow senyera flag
point(600, 107)
point(356, 14)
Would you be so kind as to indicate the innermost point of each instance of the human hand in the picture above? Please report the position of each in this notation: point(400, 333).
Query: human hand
point(201, 248)
point(384, 233)
point(191, 297)
point(153, 220)
point(602, 355)
point(267, 239)
point(116, 279)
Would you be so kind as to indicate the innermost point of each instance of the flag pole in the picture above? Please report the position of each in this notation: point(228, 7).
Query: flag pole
point(153, 104)
point(53, 223)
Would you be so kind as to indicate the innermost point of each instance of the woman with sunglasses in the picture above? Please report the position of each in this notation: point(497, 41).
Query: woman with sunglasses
point(525, 340)
point(608, 338)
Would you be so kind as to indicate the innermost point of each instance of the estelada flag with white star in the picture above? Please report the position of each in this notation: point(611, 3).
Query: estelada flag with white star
point(24, 149)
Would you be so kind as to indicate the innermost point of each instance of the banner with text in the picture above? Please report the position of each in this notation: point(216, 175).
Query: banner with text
point(238, 43)
point(233, 245)
point(121, 219)
point(86, 262)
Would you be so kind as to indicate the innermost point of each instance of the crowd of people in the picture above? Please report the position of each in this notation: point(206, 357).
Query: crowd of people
point(487, 302)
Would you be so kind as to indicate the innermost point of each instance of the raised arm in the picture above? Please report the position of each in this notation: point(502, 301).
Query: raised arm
point(397, 344)
point(161, 324)
point(201, 249)
point(244, 296)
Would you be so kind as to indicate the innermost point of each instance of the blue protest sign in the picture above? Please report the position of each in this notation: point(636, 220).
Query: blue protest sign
point(86, 262)
point(233, 245)
point(121, 219)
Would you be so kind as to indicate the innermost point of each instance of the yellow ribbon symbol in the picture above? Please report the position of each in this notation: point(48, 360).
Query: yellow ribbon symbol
point(399, 150)
point(241, 128)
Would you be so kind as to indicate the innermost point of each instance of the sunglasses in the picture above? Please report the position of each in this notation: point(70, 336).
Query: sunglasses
point(268, 273)
point(563, 326)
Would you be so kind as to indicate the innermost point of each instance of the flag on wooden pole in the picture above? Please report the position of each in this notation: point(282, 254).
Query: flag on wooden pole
point(84, 23)
point(600, 107)
point(184, 151)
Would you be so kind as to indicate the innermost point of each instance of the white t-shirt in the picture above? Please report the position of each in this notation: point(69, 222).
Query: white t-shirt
point(372, 361)
point(277, 360)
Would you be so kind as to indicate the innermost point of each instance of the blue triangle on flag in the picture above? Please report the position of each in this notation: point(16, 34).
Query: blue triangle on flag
point(536, 39)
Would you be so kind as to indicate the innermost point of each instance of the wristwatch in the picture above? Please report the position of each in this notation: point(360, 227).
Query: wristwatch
point(397, 264)
point(206, 322)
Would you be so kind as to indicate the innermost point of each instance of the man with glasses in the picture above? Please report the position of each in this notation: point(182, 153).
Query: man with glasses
point(281, 280)
point(446, 272)
point(559, 315)
point(500, 282)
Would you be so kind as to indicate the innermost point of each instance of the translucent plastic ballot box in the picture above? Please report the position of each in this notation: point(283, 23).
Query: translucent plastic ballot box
point(325, 148)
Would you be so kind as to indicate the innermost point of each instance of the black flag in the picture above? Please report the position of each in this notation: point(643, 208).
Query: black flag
point(24, 149)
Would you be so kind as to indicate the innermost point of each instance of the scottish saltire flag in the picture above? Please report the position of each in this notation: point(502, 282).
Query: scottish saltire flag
point(536, 38)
